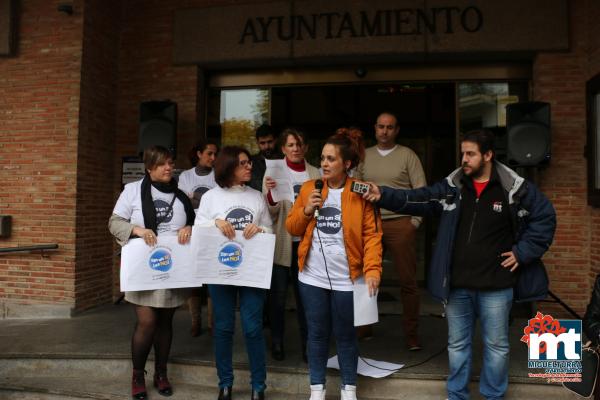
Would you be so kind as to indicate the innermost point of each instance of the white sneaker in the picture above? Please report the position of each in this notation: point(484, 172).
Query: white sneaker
point(317, 392)
point(348, 392)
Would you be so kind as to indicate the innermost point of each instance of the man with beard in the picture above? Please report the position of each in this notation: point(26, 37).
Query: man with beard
point(265, 139)
point(493, 224)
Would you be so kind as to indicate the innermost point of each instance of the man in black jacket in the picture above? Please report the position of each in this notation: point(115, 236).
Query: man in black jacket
point(265, 139)
point(492, 222)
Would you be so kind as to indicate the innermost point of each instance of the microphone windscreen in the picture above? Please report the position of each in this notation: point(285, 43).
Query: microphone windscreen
point(319, 184)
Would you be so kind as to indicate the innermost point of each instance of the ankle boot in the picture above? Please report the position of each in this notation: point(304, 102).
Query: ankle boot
point(256, 395)
point(348, 392)
point(196, 314)
point(317, 392)
point(225, 393)
point(138, 385)
point(161, 382)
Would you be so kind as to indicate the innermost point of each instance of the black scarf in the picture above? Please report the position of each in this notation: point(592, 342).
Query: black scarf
point(148, 210)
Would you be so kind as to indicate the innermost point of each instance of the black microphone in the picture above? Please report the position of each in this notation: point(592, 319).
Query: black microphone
point(319, 187)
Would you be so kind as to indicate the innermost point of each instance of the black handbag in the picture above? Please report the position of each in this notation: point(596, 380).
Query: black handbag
point(589, 372)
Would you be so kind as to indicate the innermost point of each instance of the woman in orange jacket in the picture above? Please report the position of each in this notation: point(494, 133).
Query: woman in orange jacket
point(345, 245)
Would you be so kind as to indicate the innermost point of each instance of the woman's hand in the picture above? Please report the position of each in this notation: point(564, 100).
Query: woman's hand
point(373, 194)
point(373, 285)
point(270, 183)
point(184, 234)
point(226, 228)
point(251, 230)
point(314, 201)
point(146, 234)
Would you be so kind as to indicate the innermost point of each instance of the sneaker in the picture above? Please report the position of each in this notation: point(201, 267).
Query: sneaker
point(348, 392)
point(317, 392)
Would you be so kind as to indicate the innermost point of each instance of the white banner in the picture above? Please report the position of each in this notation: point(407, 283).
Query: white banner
point(164, 266)
point(237, 262)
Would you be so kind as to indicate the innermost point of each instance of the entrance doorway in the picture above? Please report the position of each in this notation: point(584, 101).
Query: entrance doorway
point(430, 115)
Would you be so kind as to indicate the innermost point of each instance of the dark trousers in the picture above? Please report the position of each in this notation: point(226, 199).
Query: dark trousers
point(399, 237)
point(280, 280)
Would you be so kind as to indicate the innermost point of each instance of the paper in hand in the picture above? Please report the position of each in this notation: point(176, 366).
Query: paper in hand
point(365, 306)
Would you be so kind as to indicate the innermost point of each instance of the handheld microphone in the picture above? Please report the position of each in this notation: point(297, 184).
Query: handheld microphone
point(319, 187)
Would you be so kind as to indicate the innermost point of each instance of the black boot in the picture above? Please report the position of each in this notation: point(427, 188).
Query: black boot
point(257, 395)
point(225, 393)
point(277, 352)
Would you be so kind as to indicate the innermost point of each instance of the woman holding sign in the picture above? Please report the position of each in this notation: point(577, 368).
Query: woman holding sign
point(148, 208)
point(285, 268)
point(341, 241)
point(233, 206)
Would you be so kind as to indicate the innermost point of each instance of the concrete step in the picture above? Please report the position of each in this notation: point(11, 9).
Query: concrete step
point(97, 378)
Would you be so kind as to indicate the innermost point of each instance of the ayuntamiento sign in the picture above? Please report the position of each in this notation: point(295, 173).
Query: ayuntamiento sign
point(285, 32)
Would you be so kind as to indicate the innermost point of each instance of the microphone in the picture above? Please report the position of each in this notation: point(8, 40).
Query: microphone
point(319, 187)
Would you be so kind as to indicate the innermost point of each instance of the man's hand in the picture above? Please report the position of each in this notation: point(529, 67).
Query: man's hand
point(374, 194)
point(510, 261)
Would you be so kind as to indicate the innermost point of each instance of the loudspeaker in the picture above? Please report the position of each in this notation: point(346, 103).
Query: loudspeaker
point(158, 125)
point(528, 133)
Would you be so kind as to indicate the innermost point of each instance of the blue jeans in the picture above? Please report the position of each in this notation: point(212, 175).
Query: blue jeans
point(224, 299)
point(328, 310)
point(492, 307)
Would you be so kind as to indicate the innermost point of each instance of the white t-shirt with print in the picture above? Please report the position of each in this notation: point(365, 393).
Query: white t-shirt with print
point(331, 232)
point(196, 185)
point(240, 205)
point(129, 206)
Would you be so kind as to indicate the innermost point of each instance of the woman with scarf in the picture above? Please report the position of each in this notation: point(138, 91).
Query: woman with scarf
point(148, 208)
point(285, 268)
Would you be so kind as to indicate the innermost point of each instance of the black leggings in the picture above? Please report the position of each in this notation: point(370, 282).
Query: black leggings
point(154, 326)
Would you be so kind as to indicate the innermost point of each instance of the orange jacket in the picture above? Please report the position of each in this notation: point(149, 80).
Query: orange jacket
point(362, 230)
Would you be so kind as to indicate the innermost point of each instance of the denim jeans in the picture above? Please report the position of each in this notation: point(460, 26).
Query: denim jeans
point(328, 310)
point(280, 280)
point(224, 299)
point(492, 307)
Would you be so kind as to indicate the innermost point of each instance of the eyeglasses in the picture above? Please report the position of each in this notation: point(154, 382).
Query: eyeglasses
point(243, 163)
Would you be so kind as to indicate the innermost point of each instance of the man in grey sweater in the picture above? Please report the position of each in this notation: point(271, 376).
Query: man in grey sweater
point(393, 165)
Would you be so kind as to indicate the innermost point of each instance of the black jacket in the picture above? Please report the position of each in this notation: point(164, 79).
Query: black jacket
point(591, 319)
point(484, 232)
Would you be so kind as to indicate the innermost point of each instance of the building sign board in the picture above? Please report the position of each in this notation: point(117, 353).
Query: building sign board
point(284, 32)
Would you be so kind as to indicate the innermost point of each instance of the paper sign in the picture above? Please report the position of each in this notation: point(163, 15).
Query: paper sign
point(365, 306)
point(237, 262)
point(165, 266)
point(278, 171)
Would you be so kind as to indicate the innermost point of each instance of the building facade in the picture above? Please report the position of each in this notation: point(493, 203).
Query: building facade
point(71, 85)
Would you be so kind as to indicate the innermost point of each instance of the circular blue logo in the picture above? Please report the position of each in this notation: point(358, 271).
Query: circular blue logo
point(330, 220)
point(239, 218)
point(164, 211)
point(161, 260)
point(231, 255)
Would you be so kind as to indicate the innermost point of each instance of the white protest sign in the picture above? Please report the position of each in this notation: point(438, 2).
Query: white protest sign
point(237, 262)
point(165, 266)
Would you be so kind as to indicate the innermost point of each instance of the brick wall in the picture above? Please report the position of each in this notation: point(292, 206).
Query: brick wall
point(96, 149)
point(39, 106)
point(560, 79)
